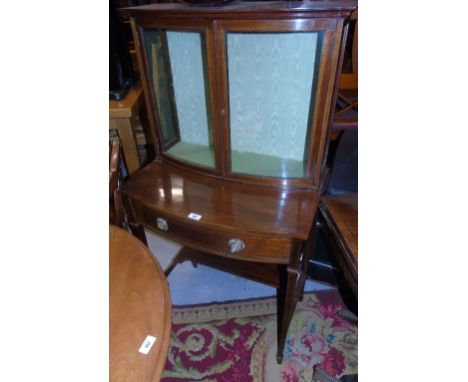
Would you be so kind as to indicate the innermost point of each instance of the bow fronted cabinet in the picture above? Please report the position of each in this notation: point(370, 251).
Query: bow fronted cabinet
point(239, 97)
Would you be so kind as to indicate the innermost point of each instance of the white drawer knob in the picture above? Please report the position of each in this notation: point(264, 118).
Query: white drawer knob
point(236, 245)
point(162, 224)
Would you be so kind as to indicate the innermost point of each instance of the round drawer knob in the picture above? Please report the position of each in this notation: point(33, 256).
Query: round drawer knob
point(162, 224)
point(236, 245)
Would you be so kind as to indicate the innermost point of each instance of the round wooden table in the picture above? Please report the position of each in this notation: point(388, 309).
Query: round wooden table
point(139, 305)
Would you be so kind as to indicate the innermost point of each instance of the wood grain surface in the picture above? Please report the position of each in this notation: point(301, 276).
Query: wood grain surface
point(123, 118)
point(235, 9)
point(340, 214)
point(129, 105)
point(139, 305)
point(224, 206)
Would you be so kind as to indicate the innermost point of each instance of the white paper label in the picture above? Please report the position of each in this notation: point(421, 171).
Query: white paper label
point(147, 344)
point(194, 216)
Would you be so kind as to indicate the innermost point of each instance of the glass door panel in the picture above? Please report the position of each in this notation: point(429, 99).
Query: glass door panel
point(272, 81)
point(177, 68)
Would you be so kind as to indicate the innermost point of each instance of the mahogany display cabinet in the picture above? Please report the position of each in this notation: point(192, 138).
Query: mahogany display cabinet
point(239, 98)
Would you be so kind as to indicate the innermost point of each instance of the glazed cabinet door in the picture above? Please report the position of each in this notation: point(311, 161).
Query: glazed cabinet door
point(274, 75)
point(247, 100)
point(176, 66)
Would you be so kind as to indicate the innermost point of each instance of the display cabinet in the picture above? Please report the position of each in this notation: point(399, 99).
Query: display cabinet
point(239, 98)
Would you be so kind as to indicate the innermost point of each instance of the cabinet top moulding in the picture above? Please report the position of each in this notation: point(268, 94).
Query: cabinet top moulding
point(275, 9)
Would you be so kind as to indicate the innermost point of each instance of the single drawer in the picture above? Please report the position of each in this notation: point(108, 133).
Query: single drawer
point(233, 244)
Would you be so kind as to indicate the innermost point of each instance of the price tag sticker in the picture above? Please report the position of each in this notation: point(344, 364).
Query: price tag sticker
point(147, 345)
point(194, 216)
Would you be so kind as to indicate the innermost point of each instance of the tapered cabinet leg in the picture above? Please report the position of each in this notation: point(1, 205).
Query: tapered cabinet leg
point(310, 247)
point(291, 286)
point(286, 303)
point(286, 296)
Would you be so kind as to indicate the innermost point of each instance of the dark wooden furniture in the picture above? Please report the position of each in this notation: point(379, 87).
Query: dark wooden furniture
point(346, 111)
point(115, 179)
point(239, 99)
point(339, 221)
point(139, 305)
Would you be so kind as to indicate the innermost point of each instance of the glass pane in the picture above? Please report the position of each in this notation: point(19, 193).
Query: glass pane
point(271, 95)
point(159, 73)
point(178, 72)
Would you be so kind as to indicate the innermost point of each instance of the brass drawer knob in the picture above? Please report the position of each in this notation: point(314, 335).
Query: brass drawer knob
point(162, 224)
point(236, 245)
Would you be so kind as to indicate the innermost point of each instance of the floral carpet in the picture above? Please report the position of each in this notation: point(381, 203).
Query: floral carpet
point(236, 341)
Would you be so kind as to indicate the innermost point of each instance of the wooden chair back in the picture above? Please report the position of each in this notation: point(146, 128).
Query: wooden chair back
point(345, 116)
point(115, 201)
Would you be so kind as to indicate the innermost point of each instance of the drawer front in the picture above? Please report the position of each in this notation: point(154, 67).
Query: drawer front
point(232, 244)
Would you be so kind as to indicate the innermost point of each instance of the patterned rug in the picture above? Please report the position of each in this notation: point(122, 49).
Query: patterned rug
point(236, 341)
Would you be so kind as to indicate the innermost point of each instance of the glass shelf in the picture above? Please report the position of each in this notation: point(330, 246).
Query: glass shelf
point(267, 165)
point(192, 152)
